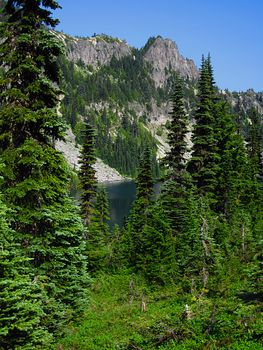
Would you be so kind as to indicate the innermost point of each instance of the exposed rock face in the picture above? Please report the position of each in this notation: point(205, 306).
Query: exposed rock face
point(164, 55)
point(71, 153)
point(96, 51)
point(243, 101)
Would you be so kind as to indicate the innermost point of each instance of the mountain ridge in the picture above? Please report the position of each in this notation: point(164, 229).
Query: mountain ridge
point(123, 91)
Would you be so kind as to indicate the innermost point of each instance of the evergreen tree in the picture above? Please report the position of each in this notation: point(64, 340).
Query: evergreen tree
point(155, 257)
point(137, 218)
point(176, 188)
point(46, 222)
point(21, 299)
point(255, 141)
point(144, 181)
point(177, 130)
point(98, 232)
point(87, 174)
point(101, 213)
point(203, 164)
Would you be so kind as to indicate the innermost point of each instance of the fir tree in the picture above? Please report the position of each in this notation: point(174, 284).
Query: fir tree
point(46, 222)
point(21, 299)
point(177, 130)
point(203, 164)
point(98, 232)
point(156, 256)
point(144, 181)
point(255, 141)
point(101, 215)
point(87, 174)
point(176, 188)
point(136, 221)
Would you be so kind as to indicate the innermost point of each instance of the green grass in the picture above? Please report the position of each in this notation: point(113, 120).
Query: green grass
point(115, 319)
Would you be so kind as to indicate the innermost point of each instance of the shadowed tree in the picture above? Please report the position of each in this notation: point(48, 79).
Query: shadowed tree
point(87, 174)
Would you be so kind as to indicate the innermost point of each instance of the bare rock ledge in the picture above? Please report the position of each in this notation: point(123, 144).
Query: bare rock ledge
point(71, 153)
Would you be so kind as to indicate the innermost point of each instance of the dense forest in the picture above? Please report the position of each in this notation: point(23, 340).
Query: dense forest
point(121, 135)
point(184, 272)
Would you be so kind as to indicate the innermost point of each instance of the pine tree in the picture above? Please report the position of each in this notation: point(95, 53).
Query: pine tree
point(87, 174)
point(46, 222)
point(203, 164)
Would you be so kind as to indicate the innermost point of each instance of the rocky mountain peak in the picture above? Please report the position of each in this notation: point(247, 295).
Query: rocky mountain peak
point(162, 54)
point(165, 57)
point(97, 50)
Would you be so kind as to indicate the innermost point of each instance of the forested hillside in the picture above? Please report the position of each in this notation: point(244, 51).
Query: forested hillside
point(125, 94)
point(185, 270)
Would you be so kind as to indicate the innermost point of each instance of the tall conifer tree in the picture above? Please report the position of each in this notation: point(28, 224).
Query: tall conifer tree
point(203, 164)
point(21, 298)
point(87, 173)
point(46, 222)
point(177, 131)
point(144, 191)
point(176, 189)
point(255, 141)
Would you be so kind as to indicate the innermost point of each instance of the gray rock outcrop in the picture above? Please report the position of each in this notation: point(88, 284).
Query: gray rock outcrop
point(96, 51)
point(164, 56)
point(71, 153)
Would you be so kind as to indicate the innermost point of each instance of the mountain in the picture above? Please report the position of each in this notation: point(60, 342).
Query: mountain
point(162, 54)
point(125, 94)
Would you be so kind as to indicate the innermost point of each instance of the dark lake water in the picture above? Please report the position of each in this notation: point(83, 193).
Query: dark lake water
point(121, 195)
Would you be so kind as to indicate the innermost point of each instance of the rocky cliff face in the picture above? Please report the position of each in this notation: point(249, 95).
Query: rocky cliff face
point(243, 101)
point(162, 54)
point(97, 50)
point(165, 57)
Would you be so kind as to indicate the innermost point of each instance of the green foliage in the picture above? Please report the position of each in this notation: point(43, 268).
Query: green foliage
point(101, 216)
point(47, 226)
point(87, 173)
point(255, 141)
point(177, 130)
point(120, 143)
point(123, 148)
point(116, 320)
point(99, 238)
point(21, 297)
point(203, 164)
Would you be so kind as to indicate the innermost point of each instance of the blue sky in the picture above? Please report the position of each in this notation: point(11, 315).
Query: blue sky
point(231, 30)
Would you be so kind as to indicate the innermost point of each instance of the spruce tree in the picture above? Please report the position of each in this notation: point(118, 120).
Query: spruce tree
point(155, 257)
point(98, 232)
point(136, 221)
point(35, 183)
point(255, 141)
point(87, 174)
point(21, 298)
point(203, 164)
point(101, 213)
point(177, 186)
point(177, 130)
point(144, 180)
point(148, 238)
point(232, 175)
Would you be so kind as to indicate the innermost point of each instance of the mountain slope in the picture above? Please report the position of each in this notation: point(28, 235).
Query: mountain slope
point(125, 94)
